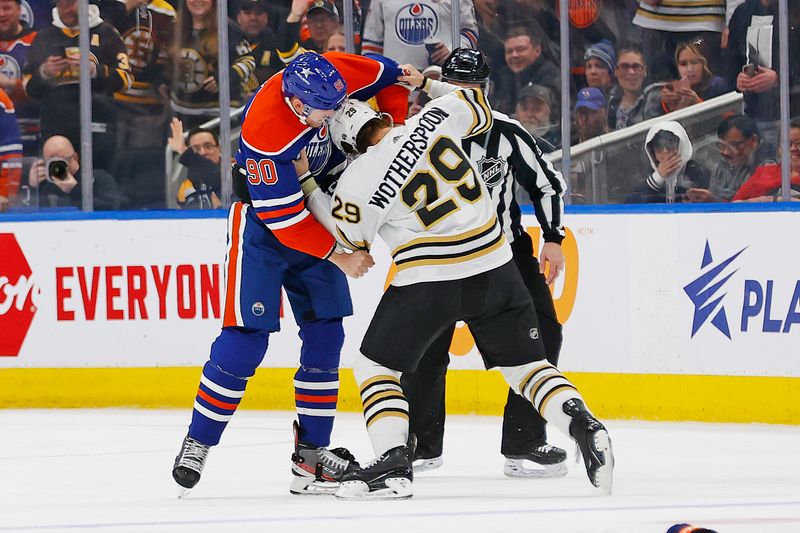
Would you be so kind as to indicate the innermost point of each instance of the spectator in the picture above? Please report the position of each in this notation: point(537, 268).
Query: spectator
point(142, 111)
point(591, 114)
point(15, 42)
point(54, 67)
point(269, 49)
point(405, 32)
point(765, 183)
point(201, 188)
point(147, 27)
point(193, 62)
point(58, 178)
point(697, 83)
point(10, 152)
point(336, 41)
point(663, 24)
point(534, 111)
point(525, 64)
point(304, 30)
point(600, 62)
point(753, 61)
point(323, 20)
point(674, 172)
point(630, 102)
point(741, 151)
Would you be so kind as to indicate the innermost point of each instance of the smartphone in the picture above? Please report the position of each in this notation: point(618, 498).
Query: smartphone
point(749, 70)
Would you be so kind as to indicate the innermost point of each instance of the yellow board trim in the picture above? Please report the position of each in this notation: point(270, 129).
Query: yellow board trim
point(774, 400)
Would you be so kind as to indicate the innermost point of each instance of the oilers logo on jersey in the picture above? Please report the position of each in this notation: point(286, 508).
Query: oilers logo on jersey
point(318, 150)
point(10, 67)
point(416, 22)
point(492, 170)
point(26, 14)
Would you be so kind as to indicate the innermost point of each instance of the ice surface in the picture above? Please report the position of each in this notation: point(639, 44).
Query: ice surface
point(109, 470)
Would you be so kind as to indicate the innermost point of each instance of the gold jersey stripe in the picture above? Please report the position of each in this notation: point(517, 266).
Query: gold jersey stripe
point(445, 238)
point(453, 260)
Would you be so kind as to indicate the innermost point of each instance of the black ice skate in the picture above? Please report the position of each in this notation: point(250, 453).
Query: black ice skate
point(189, 465)
point(318, 470)
point(387, 477)
point(594, 444)
point(541, 461)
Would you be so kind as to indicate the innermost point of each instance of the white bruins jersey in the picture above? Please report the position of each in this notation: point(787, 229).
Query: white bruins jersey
point(420, 192)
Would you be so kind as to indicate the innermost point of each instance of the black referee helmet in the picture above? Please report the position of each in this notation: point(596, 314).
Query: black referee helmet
point(467, 66)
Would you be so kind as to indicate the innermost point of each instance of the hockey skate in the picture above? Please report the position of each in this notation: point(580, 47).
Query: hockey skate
point(318, 470)
point(593, 443)
point(388, 477)
point(189, 465)
point(425, 464)
point(541, 461)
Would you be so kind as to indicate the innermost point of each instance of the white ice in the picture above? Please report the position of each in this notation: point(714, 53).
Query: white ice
point(109, 470)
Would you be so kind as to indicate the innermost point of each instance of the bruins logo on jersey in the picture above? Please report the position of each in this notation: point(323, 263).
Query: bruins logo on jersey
point(492, 170)
point(139, 42)
point(192, 70)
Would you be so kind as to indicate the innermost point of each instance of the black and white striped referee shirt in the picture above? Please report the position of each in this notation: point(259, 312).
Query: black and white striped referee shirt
point(508, 155)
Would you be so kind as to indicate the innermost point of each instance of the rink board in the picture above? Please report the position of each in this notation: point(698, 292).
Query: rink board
point(666, 316)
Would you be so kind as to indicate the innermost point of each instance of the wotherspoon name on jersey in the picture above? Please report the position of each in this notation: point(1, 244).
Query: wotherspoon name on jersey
point(407, 157)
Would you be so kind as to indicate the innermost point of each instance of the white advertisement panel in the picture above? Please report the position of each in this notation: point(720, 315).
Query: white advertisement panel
point(686, 293)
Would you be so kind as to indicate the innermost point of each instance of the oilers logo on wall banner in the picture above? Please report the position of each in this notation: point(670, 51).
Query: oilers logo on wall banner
point(416, 22)
point(319, 150)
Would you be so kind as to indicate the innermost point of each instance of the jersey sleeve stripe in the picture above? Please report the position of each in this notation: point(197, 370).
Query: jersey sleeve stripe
point(267, 215)
point(15, 147)
point(273, 202)
point(289, 221)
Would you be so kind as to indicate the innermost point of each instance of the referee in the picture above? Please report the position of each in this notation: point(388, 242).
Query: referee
point(506, 156)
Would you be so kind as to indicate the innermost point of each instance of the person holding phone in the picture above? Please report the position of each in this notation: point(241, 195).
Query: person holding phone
point(697, 83)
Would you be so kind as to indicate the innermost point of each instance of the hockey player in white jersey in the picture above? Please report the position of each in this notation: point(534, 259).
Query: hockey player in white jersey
point(415, 187)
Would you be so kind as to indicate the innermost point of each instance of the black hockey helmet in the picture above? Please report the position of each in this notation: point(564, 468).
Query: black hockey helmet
point(467, 66)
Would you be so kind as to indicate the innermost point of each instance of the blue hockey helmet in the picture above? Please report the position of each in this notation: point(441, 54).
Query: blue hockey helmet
point(315, 81)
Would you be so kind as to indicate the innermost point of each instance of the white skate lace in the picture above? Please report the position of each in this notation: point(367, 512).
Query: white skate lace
point(194, 455)
point(333, 461)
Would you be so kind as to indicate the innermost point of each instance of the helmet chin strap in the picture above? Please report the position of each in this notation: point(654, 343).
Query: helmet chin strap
point(302, 117)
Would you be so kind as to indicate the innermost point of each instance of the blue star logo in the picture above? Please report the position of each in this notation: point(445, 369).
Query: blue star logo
point(705, 288)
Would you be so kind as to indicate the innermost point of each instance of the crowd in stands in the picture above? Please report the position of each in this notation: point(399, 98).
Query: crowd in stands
point(154, 75)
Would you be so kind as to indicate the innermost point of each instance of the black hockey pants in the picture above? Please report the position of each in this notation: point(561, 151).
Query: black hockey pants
point(523, 428)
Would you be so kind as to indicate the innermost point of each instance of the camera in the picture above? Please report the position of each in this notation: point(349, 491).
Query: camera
point(57, 168)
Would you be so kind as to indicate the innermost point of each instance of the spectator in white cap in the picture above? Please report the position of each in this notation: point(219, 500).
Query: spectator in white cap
point(600, 61)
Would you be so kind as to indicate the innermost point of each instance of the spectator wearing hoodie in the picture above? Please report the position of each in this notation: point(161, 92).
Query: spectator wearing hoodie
point(630, 102)
point(54, 67)
point(669, 150)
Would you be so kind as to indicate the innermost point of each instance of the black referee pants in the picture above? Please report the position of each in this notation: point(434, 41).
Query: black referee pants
point(523, 427)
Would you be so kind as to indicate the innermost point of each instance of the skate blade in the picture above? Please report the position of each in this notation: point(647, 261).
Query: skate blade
point(182, 492)
point(516, 469)
point(426, 465)
point(604, 477)
point(302, 486)
point(396, 489)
